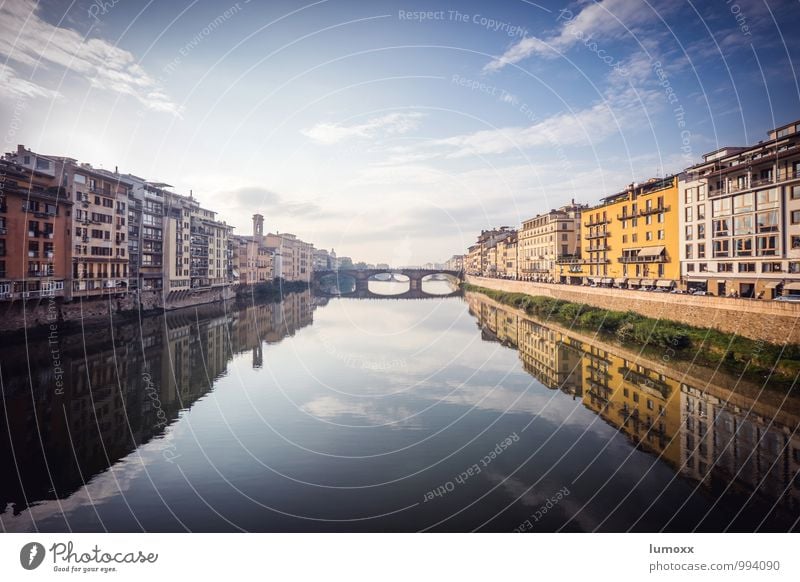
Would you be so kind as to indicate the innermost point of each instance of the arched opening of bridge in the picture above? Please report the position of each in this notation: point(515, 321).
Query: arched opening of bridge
point(336, 284)
point(439, 284)
point(389, 284)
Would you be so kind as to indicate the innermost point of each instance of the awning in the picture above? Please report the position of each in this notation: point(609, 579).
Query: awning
point(771, 284)
point(620, 280)
point(634, 281)
point(607, 281)
point(665, 283)
point(792, 286)
point(651, 251)
point(697, 280)
point(235, 273)
point(647, 282)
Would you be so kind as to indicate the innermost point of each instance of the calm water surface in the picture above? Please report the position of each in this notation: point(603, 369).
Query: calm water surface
point(448, 414)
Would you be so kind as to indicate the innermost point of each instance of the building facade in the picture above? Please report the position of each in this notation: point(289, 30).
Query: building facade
point(629, 240)
point(292, 257)
point(740, 219)
point(547, 241)
point(35, 241)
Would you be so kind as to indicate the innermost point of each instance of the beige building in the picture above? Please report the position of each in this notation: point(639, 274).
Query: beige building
point(740, 218)
point(506, 257)
point(472, 260)
point(548, 238)
point(292, 258)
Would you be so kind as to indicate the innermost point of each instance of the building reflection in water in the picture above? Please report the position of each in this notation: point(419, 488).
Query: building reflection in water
point(745, 441)
point(114, 396)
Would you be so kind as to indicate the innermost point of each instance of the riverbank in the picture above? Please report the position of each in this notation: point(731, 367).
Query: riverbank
point(35, 317)
point(702, 346)
point(774, 322)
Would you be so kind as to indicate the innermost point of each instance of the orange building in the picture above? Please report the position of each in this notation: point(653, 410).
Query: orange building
point(35, 249)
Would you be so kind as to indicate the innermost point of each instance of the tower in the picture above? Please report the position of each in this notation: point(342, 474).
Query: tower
point(258, 226)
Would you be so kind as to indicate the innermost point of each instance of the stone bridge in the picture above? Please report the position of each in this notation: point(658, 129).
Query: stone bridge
point(363, 276)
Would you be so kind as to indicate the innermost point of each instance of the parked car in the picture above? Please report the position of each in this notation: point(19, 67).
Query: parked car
point(789, 298)
point(699, 292)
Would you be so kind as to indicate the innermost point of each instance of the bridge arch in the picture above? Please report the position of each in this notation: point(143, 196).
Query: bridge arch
point(362, 279)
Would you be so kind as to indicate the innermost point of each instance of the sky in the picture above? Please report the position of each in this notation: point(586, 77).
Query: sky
point(394, 132)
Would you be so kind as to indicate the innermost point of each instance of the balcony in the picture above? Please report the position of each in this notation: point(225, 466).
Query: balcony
point(596, 261)
point(535, 270)
point(568, 260)
point(603, 234)
point(629, 259)
point(40, 273)
point(598, 248)
point(644, 212)
point(600, 223)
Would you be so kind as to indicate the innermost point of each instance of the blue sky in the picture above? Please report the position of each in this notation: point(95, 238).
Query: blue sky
point(392, 137)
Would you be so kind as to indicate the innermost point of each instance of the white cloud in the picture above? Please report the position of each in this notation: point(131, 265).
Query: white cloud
point(12, 86)
point(28, 40)
point(390, 124)
point(605, 19)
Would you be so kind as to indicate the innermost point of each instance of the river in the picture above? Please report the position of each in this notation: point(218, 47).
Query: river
point(339, 414)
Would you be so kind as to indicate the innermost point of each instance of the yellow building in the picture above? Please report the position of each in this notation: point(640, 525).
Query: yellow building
point(631, 238)
point(641, 402)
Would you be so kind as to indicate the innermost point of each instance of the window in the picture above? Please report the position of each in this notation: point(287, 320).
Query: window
point(688, 252)
point(795, 194)
point(768, 221)
point(688, 232)
point(767, 199)
point(649, 235)
point(771, 268)
point(747, 267)
point(703, 267)
point(79, 179)
point(725, 268)
point(689, 195)
point(634, 237)
point(690, 268)
point(795, 242)
point(794, 267)
point(743, 225)
point(721, 248)
point(660, 235)
point(721, 207)
point(721, 227)
point(701, 211)
point(743, 203)
point(701, 192)
point(744, 247)
point(701, 231)
point(689, 216)
point(795, 216)
point(766, 246)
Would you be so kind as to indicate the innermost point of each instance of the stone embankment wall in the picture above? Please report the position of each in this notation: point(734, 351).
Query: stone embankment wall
point(17, 315)
point(771, 321)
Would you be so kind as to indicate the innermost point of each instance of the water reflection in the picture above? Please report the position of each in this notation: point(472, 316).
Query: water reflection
point(745, 440)
point(248, 417)
point(114, 391)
